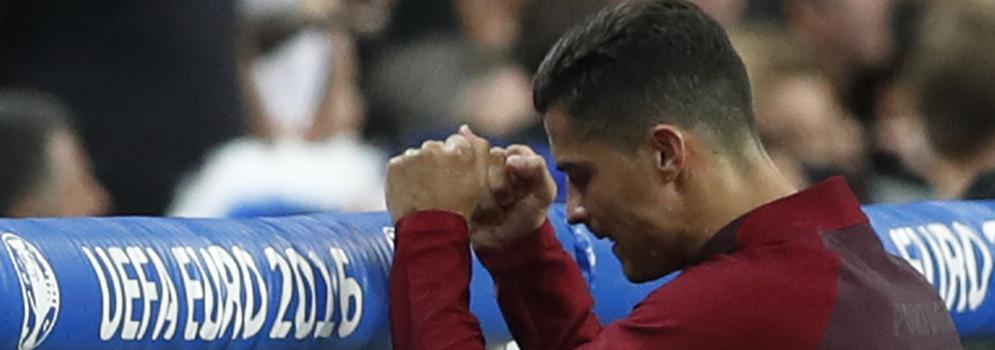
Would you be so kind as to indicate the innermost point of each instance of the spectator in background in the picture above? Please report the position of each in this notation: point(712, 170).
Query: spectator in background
point(303, 66)
point(845, 34)
point(808, 133)
point(153, 83)
point(859, 46)
point(430, 83)
point(948, 105)
point(856, 43)
point(492, 26)
point(252, 178)
point(545, 22)
point(303, 62)
point(46, 171)
point(496, 101)
point(471, 65)
point(727, 12)
point(952, 79)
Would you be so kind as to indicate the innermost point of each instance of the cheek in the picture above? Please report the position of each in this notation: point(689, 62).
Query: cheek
point(621, 211)
point(607, 211)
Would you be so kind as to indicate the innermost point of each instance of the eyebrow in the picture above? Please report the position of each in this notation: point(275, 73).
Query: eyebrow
point(568, 166)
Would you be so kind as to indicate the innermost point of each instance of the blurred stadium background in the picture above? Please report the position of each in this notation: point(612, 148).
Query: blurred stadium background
point(234, 108)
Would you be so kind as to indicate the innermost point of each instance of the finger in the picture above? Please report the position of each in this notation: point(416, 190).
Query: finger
point(525, 166)
point(487, 212)
point(523, 163)
point(411, 152)
point(459, 144)
point(396, 161)
point(432, 145)
point(522, 150)
point(481, 147)
point(522, 170)
point(527, 174)
point(497, 178)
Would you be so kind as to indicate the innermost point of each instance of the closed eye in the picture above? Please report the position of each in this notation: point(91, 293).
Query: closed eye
point(579, 181)
point(578, 175)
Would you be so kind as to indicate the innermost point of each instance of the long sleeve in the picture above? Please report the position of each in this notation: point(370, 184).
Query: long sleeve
point(540, 290)
point(429, 284)
point(787, 284)
point(542, 294)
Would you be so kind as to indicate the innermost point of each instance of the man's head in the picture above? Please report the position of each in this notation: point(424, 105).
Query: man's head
point(953, 77)
point(645, 105)
point(851, 32)
point(46, 172)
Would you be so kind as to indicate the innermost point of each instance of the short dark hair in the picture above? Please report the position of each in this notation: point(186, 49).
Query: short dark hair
point(27, 122)
point(953, 75)
point(645, 62)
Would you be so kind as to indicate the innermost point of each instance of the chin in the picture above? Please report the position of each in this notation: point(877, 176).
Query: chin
point(637, 276)
point(638, 279)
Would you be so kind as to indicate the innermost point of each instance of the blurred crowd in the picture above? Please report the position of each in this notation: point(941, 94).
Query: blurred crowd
point(230, 108)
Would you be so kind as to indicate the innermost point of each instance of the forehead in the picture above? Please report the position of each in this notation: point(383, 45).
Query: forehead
point(558, 130)
point(556, 120)
point(566, 143)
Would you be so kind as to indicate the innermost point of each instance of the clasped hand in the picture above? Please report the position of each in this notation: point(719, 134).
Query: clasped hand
point(503, 193)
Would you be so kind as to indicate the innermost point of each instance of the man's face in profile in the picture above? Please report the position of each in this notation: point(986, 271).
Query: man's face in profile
point(619, 196)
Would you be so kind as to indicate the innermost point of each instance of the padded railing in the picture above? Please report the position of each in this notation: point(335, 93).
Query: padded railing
point(320, 281)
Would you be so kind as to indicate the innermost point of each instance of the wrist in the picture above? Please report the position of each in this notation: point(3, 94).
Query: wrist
point(502, 238)
point(521, 251)
point(401, 215)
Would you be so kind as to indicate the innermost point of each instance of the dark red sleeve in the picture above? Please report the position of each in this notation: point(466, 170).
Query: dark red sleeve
point(542, 294)
point(547, 304)
point(429, 284)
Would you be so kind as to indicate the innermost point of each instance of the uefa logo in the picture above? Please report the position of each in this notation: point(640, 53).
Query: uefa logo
point(39, 291)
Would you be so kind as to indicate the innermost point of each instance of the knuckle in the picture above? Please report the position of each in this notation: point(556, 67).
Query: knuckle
point(431, 145)
point(539, 160)
point(456, 138)
point(520, 149)
point(498, 153)
point(398, 162)
point(482, 143)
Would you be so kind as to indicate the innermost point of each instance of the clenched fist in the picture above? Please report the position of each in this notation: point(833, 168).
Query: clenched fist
point(449, 176)
point(519, 192)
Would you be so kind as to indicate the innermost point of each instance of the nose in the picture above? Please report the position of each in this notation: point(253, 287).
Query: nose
point(576, 211)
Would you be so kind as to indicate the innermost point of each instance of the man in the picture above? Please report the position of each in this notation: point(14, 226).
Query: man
point(648, 111)
point(45, 170)
point(153, 84)
point(951, 78)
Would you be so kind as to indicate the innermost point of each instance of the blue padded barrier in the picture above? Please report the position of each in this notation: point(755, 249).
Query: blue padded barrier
point(320, 281)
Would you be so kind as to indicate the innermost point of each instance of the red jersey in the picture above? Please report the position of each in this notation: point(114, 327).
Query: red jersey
point(803, 272)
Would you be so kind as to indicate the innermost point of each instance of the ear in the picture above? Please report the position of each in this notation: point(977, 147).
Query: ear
point(668, 143)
